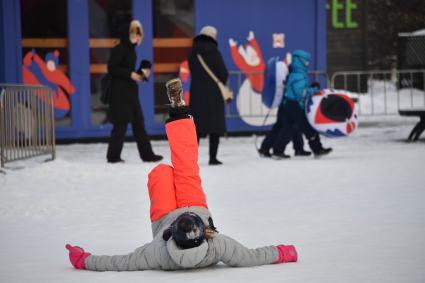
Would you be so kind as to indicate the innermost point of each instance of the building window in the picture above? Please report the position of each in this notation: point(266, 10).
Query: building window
point(45, 52)
point(174, 29)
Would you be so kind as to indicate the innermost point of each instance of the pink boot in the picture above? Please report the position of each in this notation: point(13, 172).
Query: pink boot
point(77, 256)
point(287, 254)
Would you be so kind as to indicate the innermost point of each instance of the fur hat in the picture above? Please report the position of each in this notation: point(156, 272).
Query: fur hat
point(136, 28)
point(188, 230)
point(209, 31)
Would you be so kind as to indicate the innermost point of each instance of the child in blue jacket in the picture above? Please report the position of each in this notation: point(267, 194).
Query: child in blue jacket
point(298, 89)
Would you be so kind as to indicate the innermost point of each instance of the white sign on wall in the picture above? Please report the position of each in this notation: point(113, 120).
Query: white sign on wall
point(278, 40)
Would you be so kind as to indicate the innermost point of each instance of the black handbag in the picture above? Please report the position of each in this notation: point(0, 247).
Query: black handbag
point(105, 89)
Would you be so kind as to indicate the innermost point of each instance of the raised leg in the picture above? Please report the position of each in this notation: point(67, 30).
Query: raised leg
point(181, 135)
point(161, 191)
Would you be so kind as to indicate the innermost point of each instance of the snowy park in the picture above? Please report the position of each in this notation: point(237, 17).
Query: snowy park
point(212, 141)
point(357, 215)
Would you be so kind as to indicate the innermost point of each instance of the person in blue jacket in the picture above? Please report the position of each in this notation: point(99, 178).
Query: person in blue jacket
point(292, 116)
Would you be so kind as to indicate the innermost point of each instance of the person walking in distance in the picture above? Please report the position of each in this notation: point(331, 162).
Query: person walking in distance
point(206, 101)
point(124, 105)
point(292, 115)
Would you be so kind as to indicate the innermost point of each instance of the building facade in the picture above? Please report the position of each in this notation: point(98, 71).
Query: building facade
point(65, 44)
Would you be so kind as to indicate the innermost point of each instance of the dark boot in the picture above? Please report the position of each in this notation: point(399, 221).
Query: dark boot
point(264, 153)
point(314, 143)
point(152, 158)
point(143, 143)
point(215, 162)
point(116, 142)
point(322, 151)
point(316, 146)
point(302, 152)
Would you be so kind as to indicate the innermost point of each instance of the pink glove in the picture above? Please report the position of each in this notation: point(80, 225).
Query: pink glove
point(77, 256)
point(286, 254)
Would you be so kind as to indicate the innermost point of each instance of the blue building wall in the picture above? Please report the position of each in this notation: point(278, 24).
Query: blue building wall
point(10, 42)
point(2, 47)
point(303, 22)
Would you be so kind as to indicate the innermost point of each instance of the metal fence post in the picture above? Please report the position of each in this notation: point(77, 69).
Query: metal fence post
point(52, 128)
point(401, 78)
point(2, 129)
point(26, 122)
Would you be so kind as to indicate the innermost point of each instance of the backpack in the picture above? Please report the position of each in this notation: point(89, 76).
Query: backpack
point(106, 89)
point(274, 86)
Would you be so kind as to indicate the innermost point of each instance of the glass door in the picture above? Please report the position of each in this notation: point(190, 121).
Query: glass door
point(173, 32)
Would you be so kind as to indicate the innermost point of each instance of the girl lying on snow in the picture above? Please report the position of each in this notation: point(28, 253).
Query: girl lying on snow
point(184, 235)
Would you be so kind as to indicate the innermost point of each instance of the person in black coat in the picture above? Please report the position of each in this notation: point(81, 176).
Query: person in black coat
point(206, 101)
point(124, 105)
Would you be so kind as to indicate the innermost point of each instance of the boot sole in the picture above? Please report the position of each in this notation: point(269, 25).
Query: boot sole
point(275, 157)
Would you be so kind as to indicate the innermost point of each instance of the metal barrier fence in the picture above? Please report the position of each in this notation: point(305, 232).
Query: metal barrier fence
point(383, 92)
point(26, 122)
point(248, 102)
point(378, 92)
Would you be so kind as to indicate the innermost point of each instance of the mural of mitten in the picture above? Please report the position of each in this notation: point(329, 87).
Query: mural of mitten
point(250, 61)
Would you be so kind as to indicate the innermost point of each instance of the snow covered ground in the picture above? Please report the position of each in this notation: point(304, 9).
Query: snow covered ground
point(357, 215)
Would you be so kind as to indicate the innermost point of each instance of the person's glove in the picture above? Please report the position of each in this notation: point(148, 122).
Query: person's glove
point(228, 100)
point(232, 42)
point(250, 35)
point(77, 256)
point(145, 70)
point(287, 254)
point(145, 64)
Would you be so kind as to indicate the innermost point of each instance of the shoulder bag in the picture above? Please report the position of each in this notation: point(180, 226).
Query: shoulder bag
point(226, 92)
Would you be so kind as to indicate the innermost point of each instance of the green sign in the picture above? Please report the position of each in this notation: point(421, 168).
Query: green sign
point(347, 21)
